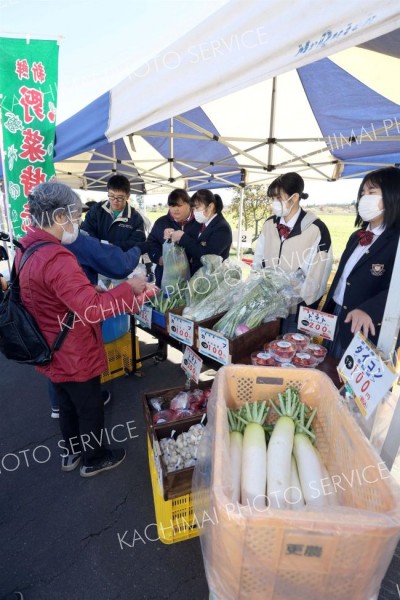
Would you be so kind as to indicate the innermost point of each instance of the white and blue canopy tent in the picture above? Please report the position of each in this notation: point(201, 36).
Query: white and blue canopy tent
point(246, 96)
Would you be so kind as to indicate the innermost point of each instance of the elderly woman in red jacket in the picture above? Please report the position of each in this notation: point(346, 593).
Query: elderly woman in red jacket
point(52, 284)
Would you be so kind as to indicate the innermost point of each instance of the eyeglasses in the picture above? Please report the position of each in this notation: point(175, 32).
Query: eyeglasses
point(117, 198)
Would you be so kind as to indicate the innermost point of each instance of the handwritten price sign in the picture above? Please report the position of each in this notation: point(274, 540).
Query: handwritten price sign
point(191, 364)
point(214, 345)
point(145, 315)
point(363, 369)
point(181, 329)
point(317, 323)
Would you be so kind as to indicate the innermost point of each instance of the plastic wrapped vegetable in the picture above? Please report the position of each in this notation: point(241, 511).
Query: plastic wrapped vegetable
point(268, 296)
point(210, 278)
point(224, 296)
point(203, 281)
point(176, 264)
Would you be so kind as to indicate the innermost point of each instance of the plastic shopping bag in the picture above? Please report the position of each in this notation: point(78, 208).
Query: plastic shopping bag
point(176, 265)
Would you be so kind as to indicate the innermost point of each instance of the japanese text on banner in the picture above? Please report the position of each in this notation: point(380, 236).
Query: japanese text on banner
point(28, 84)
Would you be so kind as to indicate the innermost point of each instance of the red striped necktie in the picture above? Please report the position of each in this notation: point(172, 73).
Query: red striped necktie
point(283, 230)
point(365, 237)
point(202, 228)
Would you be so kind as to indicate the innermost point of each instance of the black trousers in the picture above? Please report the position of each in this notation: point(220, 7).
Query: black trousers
point(82, 419)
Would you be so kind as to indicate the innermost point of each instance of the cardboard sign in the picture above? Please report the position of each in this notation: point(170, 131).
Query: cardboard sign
point(316, 323)
point(181, 329)
point(245, 239)
point(191, 364)
point(214, 345)
point(145, 316)
point(363, 370)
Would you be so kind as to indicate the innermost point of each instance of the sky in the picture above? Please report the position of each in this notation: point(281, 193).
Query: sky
point(103, 41)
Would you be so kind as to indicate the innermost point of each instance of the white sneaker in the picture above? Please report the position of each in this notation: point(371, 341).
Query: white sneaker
point(55, 413)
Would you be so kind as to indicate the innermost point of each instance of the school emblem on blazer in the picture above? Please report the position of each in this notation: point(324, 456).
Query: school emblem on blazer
point(203, 243)
point(377, 270)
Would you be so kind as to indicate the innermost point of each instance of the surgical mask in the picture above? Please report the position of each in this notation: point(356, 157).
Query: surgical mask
point(368, 207)
point(281, 209)
point(200, 216)
point(68, 237)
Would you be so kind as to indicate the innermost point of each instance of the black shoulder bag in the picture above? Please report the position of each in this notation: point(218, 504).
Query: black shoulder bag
point(20, 337)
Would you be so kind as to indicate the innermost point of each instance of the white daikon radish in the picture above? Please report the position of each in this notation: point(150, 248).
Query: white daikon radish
point(330, 491)
point(280, 449)
point(254, 457)
point(295, 497)
point(235, 452)
point(310, 473)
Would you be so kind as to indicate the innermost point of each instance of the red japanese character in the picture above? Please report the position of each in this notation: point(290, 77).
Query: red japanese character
point(38, 72)
point(32, 146)
point(31, 177)
point(31, 98)
point(22, 68)
point(25, 217)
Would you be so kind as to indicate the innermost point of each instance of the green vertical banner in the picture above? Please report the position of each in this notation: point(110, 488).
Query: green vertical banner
point(28, 101)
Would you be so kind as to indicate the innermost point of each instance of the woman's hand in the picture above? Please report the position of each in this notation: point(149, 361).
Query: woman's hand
point(137, 283)
point(360, 321)
point(176, 235)
point(168, 232)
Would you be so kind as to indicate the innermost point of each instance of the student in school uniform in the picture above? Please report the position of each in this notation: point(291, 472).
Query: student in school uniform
point(359, 290)
point(215, 235)
point(293, 240)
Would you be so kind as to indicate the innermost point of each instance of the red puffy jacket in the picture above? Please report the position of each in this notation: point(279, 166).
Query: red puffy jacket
point(53, 283)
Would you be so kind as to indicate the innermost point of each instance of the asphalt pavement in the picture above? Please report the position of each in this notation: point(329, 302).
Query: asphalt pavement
point(64, 537)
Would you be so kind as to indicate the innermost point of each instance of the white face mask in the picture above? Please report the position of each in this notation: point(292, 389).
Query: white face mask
point(281, 209)
point(368, 207)
point(200, 216)
point(68, 237)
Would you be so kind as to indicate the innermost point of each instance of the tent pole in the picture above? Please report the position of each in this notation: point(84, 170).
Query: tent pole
point(239, 242)
point(6, 203)
point(272, 121)
point(171, 149)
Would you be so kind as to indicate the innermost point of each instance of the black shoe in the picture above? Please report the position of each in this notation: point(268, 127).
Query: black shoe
point(14, 596)
point(106, 395)
point(112, 459)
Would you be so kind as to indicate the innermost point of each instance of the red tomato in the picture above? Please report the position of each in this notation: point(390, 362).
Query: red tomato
point(304, 359)
point(263, 358)
point(317, 351)
point(282, 350)
point(300, 340)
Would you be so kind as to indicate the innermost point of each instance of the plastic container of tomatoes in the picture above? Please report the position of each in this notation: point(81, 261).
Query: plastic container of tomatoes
point(263, 358)
point(282, 350)
point(304, 360)
point(317, 351)
point(300, 340)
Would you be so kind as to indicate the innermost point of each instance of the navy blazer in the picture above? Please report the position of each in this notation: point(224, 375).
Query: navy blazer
point(215, 239)
point(368, 283)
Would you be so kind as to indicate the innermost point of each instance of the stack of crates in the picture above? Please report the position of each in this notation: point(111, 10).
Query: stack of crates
point(175, 518)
